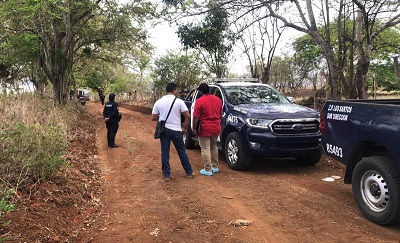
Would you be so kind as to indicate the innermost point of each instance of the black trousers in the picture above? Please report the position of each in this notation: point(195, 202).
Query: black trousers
point(112, 129)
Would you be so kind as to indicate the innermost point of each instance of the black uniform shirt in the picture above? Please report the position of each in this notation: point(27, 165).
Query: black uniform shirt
point(111, 111)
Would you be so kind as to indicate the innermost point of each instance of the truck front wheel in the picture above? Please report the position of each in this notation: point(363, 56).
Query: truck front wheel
point(235, 155)
point(376, 189)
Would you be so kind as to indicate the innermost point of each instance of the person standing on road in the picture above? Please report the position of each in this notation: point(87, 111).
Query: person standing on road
point(208, 111)
point(173, 130)
point(111, 117)
point(102, 98)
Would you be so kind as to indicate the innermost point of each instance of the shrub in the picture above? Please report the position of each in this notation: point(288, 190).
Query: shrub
point(30, 152)
point(33, 137)
point(5, 205)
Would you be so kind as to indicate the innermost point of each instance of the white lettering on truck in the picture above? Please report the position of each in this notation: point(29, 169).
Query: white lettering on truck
point(338, 116)
point(335, 150)
point(340, 108)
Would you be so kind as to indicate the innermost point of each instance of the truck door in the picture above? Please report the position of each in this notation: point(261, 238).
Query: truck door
point(195, 95)
point(215, 90)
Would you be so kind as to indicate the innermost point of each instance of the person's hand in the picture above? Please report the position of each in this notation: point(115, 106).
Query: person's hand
point(194, 132)
point(184, 130)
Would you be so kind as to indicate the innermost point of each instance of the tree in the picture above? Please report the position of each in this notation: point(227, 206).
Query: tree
point(186, 70)
point(342, 42)
point(280, 73)
point(308, 58)
point(211, 38)
point(396, 69)
point(371, 21)
point(372, 18)
point(63, 28)
point(259, 37)
point(382, 75)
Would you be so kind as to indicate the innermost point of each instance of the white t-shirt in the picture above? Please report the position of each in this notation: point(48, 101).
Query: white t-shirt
point(161, 107)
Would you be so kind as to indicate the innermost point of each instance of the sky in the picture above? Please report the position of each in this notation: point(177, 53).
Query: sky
point(164, 38)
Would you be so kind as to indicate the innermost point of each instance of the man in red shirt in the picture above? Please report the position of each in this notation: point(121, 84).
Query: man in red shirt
point(208, 110)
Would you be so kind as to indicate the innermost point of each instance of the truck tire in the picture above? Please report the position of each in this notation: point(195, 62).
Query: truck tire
point(188, 139)
point(235, 155)
point(309, 160)
point(376, 189)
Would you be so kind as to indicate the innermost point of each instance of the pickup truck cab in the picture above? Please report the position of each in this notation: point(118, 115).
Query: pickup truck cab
point(365, 136)
point(259, 121)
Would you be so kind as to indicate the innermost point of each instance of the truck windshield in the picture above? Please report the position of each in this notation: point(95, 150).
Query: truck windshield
point(254, 95)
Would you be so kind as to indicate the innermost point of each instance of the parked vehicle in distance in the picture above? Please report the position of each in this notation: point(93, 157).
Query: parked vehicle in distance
point(83, 97)
point(259, 121)
point(80, 95)
point(365, 136)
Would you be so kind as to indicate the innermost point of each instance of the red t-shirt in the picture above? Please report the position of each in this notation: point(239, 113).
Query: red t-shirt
point(208, 109)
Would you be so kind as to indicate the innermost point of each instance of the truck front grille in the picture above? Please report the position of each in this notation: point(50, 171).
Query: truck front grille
point(295, 126)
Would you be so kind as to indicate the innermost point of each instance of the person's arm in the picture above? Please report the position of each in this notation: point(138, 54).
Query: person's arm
point(155, 117)
point(196, 116)
point(155, 113)
point(195, 121)
point(187, 120)
point(106, 119)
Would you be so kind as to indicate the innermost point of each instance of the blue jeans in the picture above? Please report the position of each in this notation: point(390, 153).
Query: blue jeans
point(177, 139)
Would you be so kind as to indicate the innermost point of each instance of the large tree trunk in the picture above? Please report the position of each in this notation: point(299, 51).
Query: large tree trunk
point(265, 74)
point(60, 89)
point(363, 59)
point(38, 78)
point(334, 70)
point(396, 69)
point(360, 53)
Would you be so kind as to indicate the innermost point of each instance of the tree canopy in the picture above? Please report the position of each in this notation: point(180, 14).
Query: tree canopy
point(61, 33)
point(212, 38)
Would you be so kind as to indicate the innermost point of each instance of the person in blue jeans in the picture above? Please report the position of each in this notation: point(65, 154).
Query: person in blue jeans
point(173, 130)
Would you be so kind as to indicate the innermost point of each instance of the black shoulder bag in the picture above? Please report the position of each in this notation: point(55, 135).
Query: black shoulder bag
point(161, 124)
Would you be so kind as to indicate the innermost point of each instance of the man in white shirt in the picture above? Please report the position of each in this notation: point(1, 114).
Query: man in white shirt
point(173, 129)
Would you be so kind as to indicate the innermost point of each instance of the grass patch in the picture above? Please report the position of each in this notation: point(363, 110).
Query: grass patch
point(33, 138)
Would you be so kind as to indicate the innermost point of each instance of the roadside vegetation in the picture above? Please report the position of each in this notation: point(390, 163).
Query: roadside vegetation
point(34, 136)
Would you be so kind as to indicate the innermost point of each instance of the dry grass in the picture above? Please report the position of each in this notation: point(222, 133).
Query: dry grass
point(34, 134)
point(31, 109)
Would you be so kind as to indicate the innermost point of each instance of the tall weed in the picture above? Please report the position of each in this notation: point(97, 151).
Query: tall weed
point(30, 152)
point(33, 137)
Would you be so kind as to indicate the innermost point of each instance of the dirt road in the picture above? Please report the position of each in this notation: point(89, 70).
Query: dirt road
point(284, 202)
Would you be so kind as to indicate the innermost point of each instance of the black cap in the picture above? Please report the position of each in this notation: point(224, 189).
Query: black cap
point(111, 96)
point(203, 87)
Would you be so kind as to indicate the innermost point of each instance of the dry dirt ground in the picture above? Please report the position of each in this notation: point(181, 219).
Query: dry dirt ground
point(118, 196)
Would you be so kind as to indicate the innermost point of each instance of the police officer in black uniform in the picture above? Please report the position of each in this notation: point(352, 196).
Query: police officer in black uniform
point(111, 117)
point(102, 97)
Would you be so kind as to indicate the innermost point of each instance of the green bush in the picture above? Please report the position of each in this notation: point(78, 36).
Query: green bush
point(30, 152)
point(5, 205)
point(33, 137)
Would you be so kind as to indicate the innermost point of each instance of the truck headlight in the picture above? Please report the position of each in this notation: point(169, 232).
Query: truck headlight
point(258, 122)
